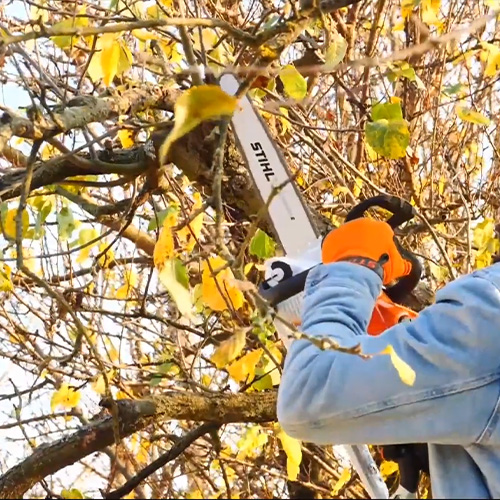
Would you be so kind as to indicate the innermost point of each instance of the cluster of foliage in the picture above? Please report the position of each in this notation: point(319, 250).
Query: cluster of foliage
point(132, 240)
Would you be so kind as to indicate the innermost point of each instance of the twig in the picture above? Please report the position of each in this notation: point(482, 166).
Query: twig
point(188, 47)
point(179, 447)
point(438, 243)
point(218, 172)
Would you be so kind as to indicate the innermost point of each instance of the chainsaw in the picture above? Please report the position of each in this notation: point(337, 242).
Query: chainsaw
point(285, 276)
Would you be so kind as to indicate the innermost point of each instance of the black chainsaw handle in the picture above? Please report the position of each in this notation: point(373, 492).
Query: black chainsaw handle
point(402, 212)
point(284, 289)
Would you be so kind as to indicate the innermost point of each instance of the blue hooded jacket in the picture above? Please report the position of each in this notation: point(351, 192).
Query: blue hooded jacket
point(328, 397)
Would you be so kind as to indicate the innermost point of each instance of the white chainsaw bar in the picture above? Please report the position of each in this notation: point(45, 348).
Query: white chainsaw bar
point(294, 228)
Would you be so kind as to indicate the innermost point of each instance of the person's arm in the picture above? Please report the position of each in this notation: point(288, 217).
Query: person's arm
point(329, 397)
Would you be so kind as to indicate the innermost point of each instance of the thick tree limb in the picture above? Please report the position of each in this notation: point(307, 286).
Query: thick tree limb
point(133, 416)
point(84, 110)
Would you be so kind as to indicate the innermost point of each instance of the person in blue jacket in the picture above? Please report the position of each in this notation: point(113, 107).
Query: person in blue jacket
point(330, 397)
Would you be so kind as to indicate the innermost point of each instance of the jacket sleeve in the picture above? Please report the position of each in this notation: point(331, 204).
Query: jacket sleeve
point(328, 397)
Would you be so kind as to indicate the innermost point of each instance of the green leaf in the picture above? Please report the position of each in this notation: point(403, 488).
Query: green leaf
point(335, 52)
point(453, 89)
point(404, 70)
point(471, 116)
point(65, 41)
point(181, 273)
point(166, 367)
point(155, 380)
point(262, 245)
point(72, 493)
point(4, 208)
point(263, 383)
point(388, 134)
point(387, 111)
point(177, 291)
point(65, 223)
point(294, 83)
point(159, 218)
point(388, 138)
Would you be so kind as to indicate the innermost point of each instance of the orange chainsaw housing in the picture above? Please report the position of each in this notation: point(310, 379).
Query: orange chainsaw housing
point(386, 314)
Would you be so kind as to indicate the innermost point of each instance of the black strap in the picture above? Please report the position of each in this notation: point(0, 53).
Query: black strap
point(412, 459)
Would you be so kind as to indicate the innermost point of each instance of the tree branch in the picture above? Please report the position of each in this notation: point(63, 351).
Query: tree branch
point(83, 110)
point(132, 417)
point(48, 32)
point(177, 449)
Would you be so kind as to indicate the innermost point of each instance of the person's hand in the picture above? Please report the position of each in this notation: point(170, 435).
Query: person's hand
point(370, 243)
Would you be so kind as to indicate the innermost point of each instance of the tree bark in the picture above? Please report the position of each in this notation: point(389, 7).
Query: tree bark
point(132, 417)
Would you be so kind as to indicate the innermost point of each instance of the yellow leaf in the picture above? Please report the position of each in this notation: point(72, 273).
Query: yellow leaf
point(144, 35)
point(66, 397)
point(269, 366)
point(98, 384)
point(195, 494)
point(286, 126)
point(430, 12)
point(251, 443)
point(405, 371)
point(293, 450)
point(294, 84)
point(106, 259)
point(111, 351)
point(292, 469)
point(39, 12)
point(126, 137)
point(48, 152)
point(229, 349)
point(185, 234)
point(491, 56)
point(86, 236)
point(194, 106)
point(211, 287)
point(209, 38)
point(143, 454)
point(172, 52)
point(110, 56)
point(177, 291)
point(84, 254)
point(343, 480)
point(72, 493)
point(469, 115)
point(483, 232)
point(243, 370)
point(356, 190)
point(165, 246)
point(130, 282)
point(125, 59)
point(167, 3)
point(407, 7)
point(387, 468)
point(9, 225)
